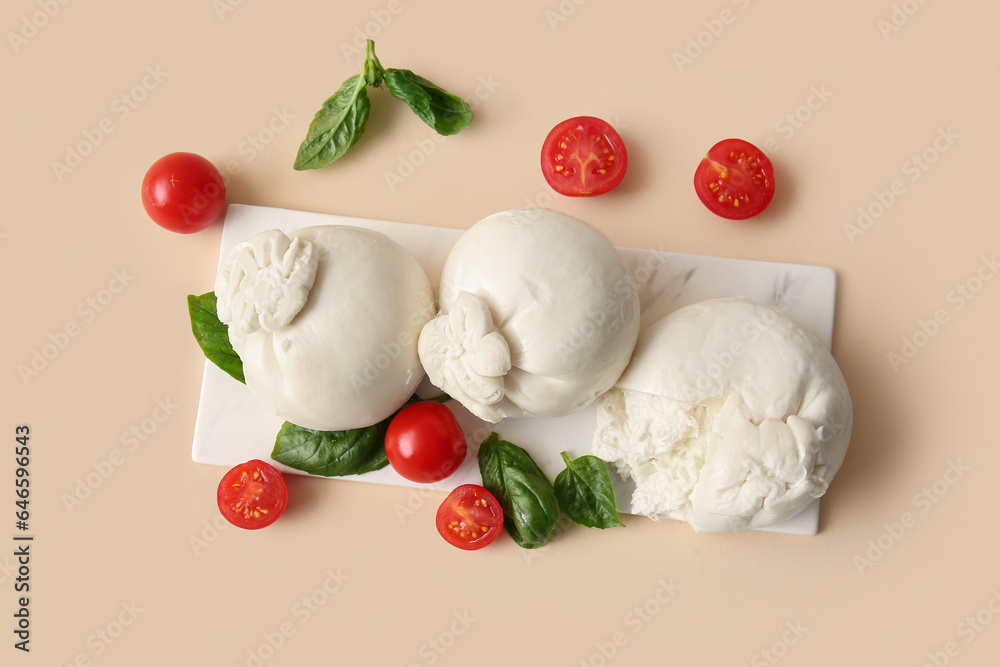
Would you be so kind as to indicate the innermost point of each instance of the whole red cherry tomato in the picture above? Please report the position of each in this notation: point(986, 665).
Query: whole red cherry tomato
point(424, 442)
point(183, 192)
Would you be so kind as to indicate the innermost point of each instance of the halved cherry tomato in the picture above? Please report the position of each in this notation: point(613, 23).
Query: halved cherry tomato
point(183, 192)
point(470, 517)
point(424, 442)
point(735, 180)
point(252, 495)
point(583, 156)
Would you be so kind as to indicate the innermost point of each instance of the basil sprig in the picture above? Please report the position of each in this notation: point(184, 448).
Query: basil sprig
point(212, 335)
point(337, 453)
point(529, 502)
point(341, 120)
point(585, 492)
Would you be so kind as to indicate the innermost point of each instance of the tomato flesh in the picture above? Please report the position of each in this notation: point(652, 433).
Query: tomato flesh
point(470, 517)
point(252, 495)
point(583, 156)
point(183, 193)
point(735, 180)
point(424, 442)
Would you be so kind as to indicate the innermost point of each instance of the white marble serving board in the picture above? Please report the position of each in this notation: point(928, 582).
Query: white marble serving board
point(232, 427)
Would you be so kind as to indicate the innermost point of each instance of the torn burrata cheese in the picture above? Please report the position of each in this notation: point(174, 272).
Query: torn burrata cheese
point(538, 316)
point(732, 415)
point(326, 321)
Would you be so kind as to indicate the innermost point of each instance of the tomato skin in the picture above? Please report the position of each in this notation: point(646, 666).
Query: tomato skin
point(583, 157)
point(735, 180)
point(424, 442)
point(183, 193)
point(252, 495)
point(470, 517)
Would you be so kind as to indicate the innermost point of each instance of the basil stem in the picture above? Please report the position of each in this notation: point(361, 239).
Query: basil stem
point(585, 492)
point(446, 113)
point(529, 502)
point(212, 335)
point(336, 126)
point(373, 70)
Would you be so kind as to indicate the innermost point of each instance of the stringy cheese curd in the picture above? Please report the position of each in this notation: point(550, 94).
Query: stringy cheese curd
point(731, 416)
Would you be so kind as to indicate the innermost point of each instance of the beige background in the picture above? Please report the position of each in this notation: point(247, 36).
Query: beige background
point(139, 572)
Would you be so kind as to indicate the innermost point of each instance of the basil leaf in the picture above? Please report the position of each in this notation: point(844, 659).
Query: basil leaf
point(337, 453)
point(446, 113)
point(529, 503)
point(212, 335)
point(331, 453)
point(336, 127)
point(585, 492)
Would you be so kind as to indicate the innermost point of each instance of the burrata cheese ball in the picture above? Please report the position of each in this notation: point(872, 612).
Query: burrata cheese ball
point(732, 415)
point(326, 321)
point(539, 316)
